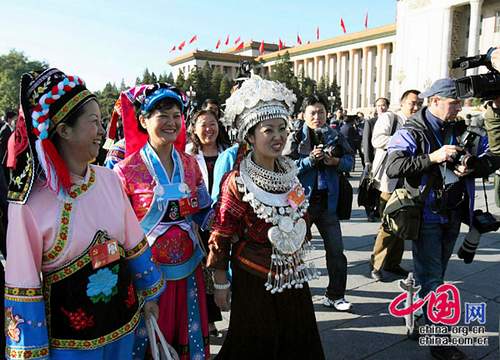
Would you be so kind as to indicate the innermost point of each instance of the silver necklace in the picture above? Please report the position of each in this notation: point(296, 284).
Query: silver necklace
point(272, 181)
point(287, 235)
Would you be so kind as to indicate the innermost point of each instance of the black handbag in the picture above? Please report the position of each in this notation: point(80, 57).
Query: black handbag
point(368, 195)
point(344, 205)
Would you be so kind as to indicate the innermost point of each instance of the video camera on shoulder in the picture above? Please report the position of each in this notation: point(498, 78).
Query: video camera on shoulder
point(484, 86)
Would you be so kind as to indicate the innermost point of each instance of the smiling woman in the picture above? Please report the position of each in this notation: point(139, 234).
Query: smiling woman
point(72, 223)
point(259, 224)
point(169, 197)
point(78, 140)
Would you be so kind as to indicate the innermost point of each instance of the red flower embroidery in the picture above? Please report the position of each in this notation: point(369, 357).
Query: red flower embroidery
point(131, 299)
point(78, 319)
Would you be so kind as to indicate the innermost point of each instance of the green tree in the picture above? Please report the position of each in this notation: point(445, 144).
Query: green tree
point(334, 90)
point(170, 78)
point(154, 79)
point(162, 77)
point(12, 66)
point(225, 89)
point(215, 84)
point(205, 82)
point(107, 98)
point(180, 81)
point(282, 71)
point(123, 86)
point(146, 77)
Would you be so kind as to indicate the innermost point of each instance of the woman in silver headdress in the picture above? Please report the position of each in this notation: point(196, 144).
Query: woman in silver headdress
point(260, 226)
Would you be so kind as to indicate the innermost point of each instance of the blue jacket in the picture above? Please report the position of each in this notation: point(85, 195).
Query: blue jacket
point(299, 147)
point(224, 164)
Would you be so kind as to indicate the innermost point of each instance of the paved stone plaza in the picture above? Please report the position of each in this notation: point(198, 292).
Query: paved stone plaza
point(369, 332)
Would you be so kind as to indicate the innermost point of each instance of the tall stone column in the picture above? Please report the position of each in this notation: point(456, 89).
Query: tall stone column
point(446, 41)
point(338, 74)
point(370, 70)
point(355, 80)
point(379, 71)
point(475, 23)
point(310, 68)
point(364, 102)
point(343, 80)
point(331, 68)
point(300, 67)
point(321, 68)
point(350, 86)
point(385, 70)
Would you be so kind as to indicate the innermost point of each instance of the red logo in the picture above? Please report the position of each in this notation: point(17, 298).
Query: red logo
point(443, 305)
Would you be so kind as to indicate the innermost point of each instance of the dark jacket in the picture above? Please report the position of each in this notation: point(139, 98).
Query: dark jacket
point(351, 134)
point(299, 146)
point(366, 142)
point(408, 158)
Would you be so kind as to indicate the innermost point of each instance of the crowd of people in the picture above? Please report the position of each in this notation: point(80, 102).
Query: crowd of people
point(176, 222)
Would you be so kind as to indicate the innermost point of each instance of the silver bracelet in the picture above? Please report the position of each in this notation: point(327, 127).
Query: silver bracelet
point(222, 286)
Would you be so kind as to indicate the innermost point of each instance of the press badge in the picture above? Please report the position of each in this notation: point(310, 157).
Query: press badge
point(104, 253)
point(296, 196)
point(189, 205)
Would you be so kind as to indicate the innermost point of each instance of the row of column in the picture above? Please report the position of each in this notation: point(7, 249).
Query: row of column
point(362, 74)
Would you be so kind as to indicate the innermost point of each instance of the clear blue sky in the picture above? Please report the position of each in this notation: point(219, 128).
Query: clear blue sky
point(109, 40)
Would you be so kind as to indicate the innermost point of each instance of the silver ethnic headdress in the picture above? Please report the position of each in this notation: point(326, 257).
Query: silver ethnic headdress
point(255, 101)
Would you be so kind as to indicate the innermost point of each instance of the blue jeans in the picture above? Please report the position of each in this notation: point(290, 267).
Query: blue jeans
point(432, 252)
point(336, 262)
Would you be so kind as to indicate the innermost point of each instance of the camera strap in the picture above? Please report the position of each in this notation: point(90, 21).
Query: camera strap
point(485, 197)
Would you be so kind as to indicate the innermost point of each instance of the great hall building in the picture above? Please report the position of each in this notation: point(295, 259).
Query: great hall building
point(383, 61)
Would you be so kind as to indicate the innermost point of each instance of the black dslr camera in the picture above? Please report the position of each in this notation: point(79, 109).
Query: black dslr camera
point(484, 86)
point(328, 146)
point(467, 141)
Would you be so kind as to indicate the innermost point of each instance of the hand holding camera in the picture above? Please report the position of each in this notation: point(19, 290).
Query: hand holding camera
point(444, 153)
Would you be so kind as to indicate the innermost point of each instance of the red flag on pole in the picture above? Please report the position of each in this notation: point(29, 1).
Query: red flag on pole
point(181, 45)
point(237, 40)
point(173, 48)
point(261, 48)
point(280, 44)
point(317, 33)
point(218, 44)
point(299, 40)
point(227, 41)
point(193, 39)
point(342, 25)
point(240, 46)
point(366, 20)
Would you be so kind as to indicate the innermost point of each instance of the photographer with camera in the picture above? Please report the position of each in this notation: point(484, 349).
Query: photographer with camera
point(426, 153)
point(322, 154)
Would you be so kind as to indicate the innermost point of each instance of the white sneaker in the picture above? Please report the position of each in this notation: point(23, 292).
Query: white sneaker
point(340, 304)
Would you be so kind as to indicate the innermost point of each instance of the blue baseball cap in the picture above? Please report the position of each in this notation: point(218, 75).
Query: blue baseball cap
point(442, 87)
point(160, 94)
